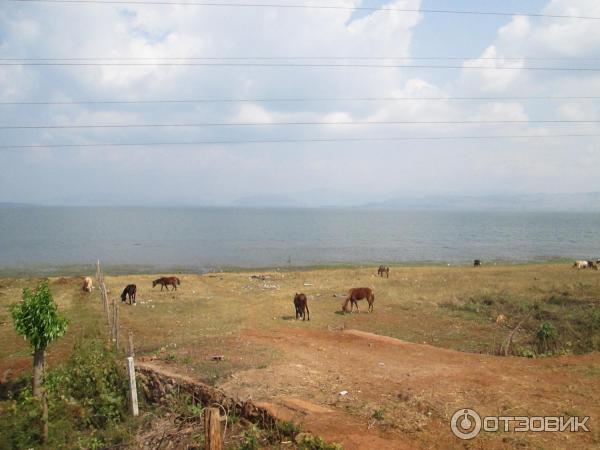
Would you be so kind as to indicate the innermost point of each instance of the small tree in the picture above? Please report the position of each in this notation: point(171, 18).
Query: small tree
point(37, 319)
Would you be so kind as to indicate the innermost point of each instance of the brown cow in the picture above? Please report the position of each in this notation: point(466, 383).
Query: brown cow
point(166, 281)
point(382, 270)
point(356, 294)
point(301, 304)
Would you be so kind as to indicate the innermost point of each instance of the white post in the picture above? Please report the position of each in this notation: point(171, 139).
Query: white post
point(133, 401)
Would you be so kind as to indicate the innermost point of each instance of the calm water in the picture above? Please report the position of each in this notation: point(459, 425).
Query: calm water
point(45, 239)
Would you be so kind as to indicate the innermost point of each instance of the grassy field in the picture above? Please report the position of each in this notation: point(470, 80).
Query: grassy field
point(218, 314)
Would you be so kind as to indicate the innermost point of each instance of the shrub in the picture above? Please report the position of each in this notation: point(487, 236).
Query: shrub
point(311, 442)
point(91, 385)
point(591, 331)
point(546, 338)
point(86, 405)
point(250, 439)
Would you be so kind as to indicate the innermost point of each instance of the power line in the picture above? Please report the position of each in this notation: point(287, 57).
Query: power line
point(321, 7)
point(236, 64)
point(277, 58)
point(295, 100)
point(253, 124)
point(285, 141)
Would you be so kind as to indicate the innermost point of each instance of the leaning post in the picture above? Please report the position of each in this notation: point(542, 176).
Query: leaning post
point(133, 400)
point(116, 324)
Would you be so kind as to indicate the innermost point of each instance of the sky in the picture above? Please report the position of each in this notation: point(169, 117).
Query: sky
point(330, 172)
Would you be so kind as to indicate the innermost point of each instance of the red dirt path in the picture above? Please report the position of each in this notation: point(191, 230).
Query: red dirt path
point(416, 387)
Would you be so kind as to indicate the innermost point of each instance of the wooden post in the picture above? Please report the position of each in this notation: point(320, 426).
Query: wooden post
point(103, 295)
point(116, 323)
point(212, 429)
point(130, 350)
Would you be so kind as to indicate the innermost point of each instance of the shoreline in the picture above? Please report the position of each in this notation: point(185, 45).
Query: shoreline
point(42, 270)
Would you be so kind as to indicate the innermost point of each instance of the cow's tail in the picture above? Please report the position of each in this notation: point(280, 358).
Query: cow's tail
point(178, 281)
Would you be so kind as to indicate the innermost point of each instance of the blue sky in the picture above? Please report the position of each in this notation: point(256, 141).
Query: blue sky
point(332, 172)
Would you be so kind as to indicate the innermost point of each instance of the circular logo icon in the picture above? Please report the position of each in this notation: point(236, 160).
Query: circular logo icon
point(465, 424)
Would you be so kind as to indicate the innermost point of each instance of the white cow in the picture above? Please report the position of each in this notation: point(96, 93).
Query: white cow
point(87, 284)
point(580, 265)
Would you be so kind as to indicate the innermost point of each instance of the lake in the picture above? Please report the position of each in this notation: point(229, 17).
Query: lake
point(51, 239)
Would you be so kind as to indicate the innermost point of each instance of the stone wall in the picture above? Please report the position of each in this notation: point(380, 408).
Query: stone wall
point(159, 385)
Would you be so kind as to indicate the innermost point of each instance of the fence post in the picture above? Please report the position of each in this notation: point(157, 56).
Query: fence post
point(212, 429)
point(104, 296)
point(133, 400)
point(130, 350)
point(116, 323)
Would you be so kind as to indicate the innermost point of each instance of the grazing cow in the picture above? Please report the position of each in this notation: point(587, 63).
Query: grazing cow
point(477, 263)
point(382, 270)
point(301, 304)
point(87, 285)
point(580, 265)
point(129, 291)
point(591, 265)
point(166, 281)
point(356, 294)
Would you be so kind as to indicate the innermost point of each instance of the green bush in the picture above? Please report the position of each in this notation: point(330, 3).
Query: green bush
point(546, 338)
point(591, 330)
point(91, 385)
point(86, 405)
point(311, 442)
point(250, 439)
point(19, 422)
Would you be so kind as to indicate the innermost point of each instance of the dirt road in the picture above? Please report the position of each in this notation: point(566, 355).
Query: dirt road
point(402, 395)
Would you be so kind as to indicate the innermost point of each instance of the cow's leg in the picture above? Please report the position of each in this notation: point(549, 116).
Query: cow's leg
point(307, 312)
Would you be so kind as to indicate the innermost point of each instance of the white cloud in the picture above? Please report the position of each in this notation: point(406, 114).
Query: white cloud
point(34, 30)
point(491, 79)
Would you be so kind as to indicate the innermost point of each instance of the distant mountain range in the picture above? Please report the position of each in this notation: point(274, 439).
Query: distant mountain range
point(14, 205)
point(508, 202)
point(268, 201)
point(498, 202)
point(324, 198)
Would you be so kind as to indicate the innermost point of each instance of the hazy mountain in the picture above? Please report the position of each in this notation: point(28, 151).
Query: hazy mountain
point(15, 205)
point(500, 202)
point(268, 201)
point(317, 198)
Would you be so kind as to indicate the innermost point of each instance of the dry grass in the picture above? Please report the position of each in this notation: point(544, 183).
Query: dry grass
point(214, 314)
point(206, 315)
